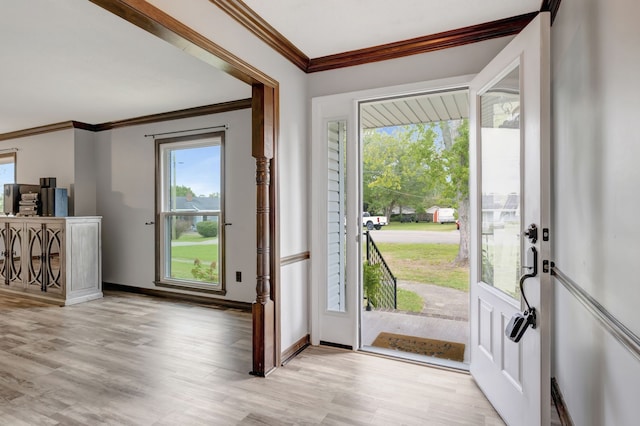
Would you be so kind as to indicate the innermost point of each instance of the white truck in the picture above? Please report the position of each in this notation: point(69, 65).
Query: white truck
point(373, 222)
point(445, 215)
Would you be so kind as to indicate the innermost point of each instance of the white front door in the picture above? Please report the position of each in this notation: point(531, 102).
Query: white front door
point(509, 178)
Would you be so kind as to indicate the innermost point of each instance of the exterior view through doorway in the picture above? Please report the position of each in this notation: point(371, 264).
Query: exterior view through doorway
point(415, 267)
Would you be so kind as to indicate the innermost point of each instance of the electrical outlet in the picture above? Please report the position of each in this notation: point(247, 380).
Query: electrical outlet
point(238, 276)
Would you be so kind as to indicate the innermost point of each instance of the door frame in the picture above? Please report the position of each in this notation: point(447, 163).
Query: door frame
point(265, 130)
point(345, 106)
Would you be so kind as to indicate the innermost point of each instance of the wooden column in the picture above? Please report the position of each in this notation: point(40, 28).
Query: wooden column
point(263, 309)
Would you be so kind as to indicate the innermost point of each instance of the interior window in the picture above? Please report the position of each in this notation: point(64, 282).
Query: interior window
point(7, 172)
point(190, 210)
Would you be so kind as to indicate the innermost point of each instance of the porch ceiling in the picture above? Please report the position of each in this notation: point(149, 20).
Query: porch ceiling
point(415, 109)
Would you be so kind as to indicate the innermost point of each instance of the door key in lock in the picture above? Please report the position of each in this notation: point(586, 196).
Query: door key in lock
point(532, 233)
point(522, 320)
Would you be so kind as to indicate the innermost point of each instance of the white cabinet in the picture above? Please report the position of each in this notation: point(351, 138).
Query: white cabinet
point(53, 259)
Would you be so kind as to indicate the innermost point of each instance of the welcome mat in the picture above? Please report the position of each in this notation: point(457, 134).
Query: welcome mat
point(420, 345)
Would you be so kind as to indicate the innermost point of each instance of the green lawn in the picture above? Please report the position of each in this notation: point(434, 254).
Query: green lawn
point(420, 226)
point(183, 257)
point(409, 301)
point(193, 237)
point(207, 253)
point(182, 270)
point(426, 263)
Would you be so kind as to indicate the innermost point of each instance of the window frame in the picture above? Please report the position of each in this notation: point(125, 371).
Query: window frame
point(14, 157)
point(163, 212)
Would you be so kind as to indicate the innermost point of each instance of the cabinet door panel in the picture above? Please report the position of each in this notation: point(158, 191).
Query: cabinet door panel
point(4, 270)
point(35, 268)
point(54, 254)
point(15, 263)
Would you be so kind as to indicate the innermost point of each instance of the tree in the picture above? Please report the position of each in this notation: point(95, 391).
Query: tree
point(394, 175)
point(414, 167)
point(454, 178)
point(183, 191)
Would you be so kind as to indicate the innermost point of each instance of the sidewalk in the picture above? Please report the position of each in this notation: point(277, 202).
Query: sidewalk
point(440, 302)
point(445, 316)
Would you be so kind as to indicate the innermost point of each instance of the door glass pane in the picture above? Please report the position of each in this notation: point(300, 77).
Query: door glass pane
point(16, 254)
point(35, 271)
point(501, 184)
point(53, 261)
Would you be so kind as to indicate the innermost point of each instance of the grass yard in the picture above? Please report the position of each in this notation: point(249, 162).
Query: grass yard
point(182, 258)
point(409, 301)
point(420, 226)
point(193, 237)
point(207, 253)
point(426, 263)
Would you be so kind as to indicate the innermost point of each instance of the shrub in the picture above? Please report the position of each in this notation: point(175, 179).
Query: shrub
point(372, 283)
point(181, 226)
point(205, 273)
point(207, 228)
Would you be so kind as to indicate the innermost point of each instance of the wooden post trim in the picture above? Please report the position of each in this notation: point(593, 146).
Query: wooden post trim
point(263, 309)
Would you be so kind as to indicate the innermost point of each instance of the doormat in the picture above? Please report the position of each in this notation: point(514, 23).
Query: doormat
point(421, 346)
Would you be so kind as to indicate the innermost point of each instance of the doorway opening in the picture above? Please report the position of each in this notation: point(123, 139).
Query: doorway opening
point(415, 264)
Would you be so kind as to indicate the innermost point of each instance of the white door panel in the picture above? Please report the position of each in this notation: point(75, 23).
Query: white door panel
point(334, 302)
point(509, 182)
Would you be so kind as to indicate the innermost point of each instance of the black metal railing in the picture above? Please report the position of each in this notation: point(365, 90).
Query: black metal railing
point(388, 295)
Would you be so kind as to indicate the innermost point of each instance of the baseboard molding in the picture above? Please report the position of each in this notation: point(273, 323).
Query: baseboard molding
point(293, 350)
point(558, 402)
point(211, 301)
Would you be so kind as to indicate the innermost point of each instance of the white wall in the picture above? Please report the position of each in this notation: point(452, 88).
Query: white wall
point(126, 197)
point(463, 60)
point(595, 62)
point(45, 155)
point(69, 156)
point(84, 186)
point(211, 22)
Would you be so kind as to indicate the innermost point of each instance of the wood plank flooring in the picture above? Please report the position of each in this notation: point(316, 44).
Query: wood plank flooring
point(131, 359)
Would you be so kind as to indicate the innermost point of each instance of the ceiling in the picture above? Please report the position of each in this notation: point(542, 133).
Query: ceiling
point(425, 108)
point(72, 60)
point(327, 27)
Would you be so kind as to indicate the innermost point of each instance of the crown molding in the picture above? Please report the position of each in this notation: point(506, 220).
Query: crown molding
point(176, 115)
point(429, 43)
point(146, 119)
point(253, 22)
point(47, 128)
point(551, 6)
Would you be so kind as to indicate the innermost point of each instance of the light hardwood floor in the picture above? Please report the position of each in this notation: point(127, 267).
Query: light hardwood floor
point(137, 360)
